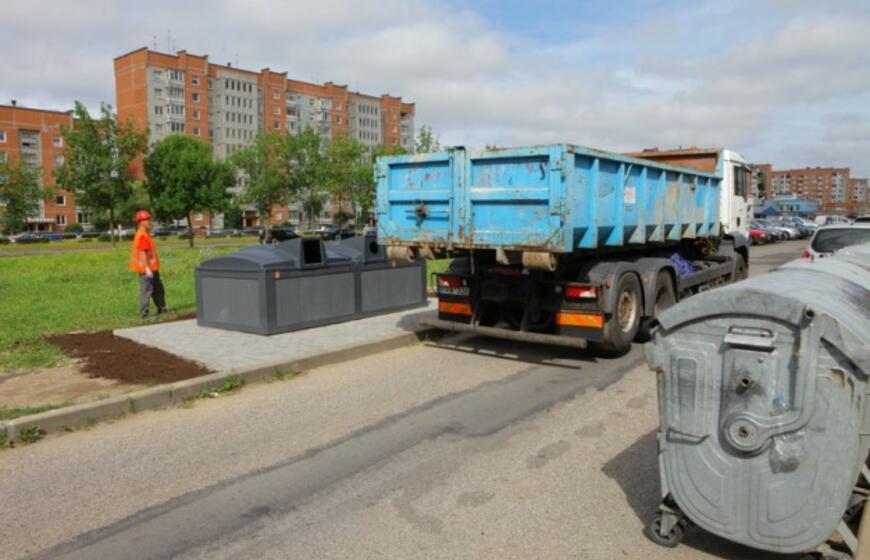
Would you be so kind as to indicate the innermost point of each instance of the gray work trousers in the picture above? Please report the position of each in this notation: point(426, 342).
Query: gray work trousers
point(151, 288)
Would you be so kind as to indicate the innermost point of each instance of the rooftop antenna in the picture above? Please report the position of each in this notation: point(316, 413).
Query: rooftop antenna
point(168, 39)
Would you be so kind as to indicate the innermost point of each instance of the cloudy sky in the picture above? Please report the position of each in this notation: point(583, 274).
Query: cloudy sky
point(781, 81)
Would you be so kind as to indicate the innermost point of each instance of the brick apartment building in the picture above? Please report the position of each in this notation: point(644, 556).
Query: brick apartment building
point(229, 106)
point(832, 188)
point(34, 135)
point(761, 173)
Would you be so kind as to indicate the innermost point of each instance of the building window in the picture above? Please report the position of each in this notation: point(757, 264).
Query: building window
point(176, 126)
point(158, 109)
point(176, 92)
point(196, 115)
point(158, 127)
point(195, 98)
point(194, 80)
point(277, 111)
point(3, 136)
point(157, 74)
point(276, 95)
point(196, 131)
point(60, 200)
point(58, 161)
point(176, 75)
point(175, 109)
point(338, 120)
point(60, 220)
point(276, 125)
point(57, 141)
point(158, 92)
point(83, 217)
point(279, 216)
point(198, 216)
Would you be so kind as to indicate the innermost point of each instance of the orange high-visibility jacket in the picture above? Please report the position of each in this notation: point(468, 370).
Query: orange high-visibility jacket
point(143, 252)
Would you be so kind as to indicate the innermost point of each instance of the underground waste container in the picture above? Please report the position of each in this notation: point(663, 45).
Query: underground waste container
point(762, 389)
point(304, 282)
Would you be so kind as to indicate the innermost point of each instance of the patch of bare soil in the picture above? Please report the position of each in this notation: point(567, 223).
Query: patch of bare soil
point(104, 355)
point(57, 385)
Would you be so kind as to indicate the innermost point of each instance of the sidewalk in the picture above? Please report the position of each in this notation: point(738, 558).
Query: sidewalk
point(245, 357)
point(230, 351)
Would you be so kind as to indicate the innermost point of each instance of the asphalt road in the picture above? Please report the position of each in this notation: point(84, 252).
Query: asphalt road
point(462, 448)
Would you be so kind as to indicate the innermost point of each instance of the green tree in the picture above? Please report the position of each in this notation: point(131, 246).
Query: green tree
point(307, 171)
point(21, 190)
point(266, 166)
point(233, 216)
point(349, 175)
point(99, 154)
point(183, 179)
point(427, 141)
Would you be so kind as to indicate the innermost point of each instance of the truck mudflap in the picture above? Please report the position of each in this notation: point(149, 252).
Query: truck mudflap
point(508, 334)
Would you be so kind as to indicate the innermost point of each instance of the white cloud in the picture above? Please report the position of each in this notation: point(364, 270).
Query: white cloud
point(780, 86)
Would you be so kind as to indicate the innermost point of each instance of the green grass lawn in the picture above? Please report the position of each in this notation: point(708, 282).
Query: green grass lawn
point(68, 291)
point(63, 292)
point(90, 245)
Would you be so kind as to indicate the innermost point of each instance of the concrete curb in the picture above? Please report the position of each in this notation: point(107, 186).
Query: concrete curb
point(87, 414)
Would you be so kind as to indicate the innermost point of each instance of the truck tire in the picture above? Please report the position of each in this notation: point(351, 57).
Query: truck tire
point(665, 297)
point(623, 324)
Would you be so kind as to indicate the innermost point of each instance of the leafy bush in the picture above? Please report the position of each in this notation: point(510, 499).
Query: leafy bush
point(74, 228)
point(104, 237)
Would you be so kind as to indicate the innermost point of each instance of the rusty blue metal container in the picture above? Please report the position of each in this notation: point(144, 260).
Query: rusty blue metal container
point(557, 199)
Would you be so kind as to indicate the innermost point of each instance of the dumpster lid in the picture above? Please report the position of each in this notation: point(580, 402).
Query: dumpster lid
point(299, 253)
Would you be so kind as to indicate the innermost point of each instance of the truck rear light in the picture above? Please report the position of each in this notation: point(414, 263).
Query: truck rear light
point(449, 284)
point(579, 291)
point(806, 255)
point(454, 308)
point(574, 319)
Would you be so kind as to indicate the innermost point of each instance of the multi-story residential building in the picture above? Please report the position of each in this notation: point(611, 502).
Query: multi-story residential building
point(34, 135)
point(826, 185)
point(859, 195)
point(229, 106)
point(761, 175)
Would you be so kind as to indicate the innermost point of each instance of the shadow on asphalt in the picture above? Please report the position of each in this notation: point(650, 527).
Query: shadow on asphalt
point(636, 471)
point(537, 354)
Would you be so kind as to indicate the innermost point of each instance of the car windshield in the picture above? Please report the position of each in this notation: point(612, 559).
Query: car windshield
point(830, 240)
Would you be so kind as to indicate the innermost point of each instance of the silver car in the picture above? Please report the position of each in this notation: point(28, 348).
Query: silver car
point(829, 239)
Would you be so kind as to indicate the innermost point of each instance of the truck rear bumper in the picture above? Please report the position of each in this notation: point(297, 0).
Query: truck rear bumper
point(495, 332)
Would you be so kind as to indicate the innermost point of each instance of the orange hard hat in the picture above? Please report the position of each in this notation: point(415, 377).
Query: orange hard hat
point(142, 215)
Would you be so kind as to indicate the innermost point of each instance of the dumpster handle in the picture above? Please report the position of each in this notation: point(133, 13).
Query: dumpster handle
point(697, 438)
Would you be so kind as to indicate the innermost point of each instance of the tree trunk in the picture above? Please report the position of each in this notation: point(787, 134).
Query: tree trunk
point(189, 230)
point(355, 219)
point(112, 226)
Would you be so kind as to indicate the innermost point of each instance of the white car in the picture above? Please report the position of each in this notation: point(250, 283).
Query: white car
point(829, 239)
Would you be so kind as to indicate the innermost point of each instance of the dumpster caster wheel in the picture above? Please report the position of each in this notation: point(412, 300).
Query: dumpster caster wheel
point(670, 540)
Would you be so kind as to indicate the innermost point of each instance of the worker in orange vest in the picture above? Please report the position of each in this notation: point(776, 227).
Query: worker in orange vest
point(144, 260)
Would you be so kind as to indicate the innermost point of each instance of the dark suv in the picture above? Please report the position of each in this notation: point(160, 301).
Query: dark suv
point(277, 235)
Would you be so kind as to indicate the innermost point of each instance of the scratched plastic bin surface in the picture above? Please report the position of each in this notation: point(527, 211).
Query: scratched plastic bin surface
point(762, 388)
point(558, 198)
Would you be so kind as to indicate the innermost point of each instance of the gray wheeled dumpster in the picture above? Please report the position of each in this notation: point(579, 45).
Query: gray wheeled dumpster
point(304, 282)
point(762, 389)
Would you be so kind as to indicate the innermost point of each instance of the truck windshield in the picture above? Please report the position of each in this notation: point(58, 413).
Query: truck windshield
point(830, 240)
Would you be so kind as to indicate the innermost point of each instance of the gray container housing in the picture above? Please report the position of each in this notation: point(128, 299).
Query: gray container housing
point(762, 389)
point(304, 282)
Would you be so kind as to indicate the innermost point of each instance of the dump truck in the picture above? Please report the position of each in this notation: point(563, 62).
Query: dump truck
point(564, 244)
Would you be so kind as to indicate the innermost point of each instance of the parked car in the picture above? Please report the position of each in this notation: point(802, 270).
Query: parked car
point(277, 235)
point(218, 233)
point(862, 220)
point(27, 237)
point(758, 236)
point(161, 232)
point(829, 239)
point(336, 233)
point(773, 234)
point(252, 231)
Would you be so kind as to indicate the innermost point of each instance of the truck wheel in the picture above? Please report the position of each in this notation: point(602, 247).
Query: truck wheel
point(623, 324)
point(665, 297)
point(739, 270)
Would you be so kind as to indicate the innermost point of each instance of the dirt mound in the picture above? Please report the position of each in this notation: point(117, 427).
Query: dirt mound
point(105, 355)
